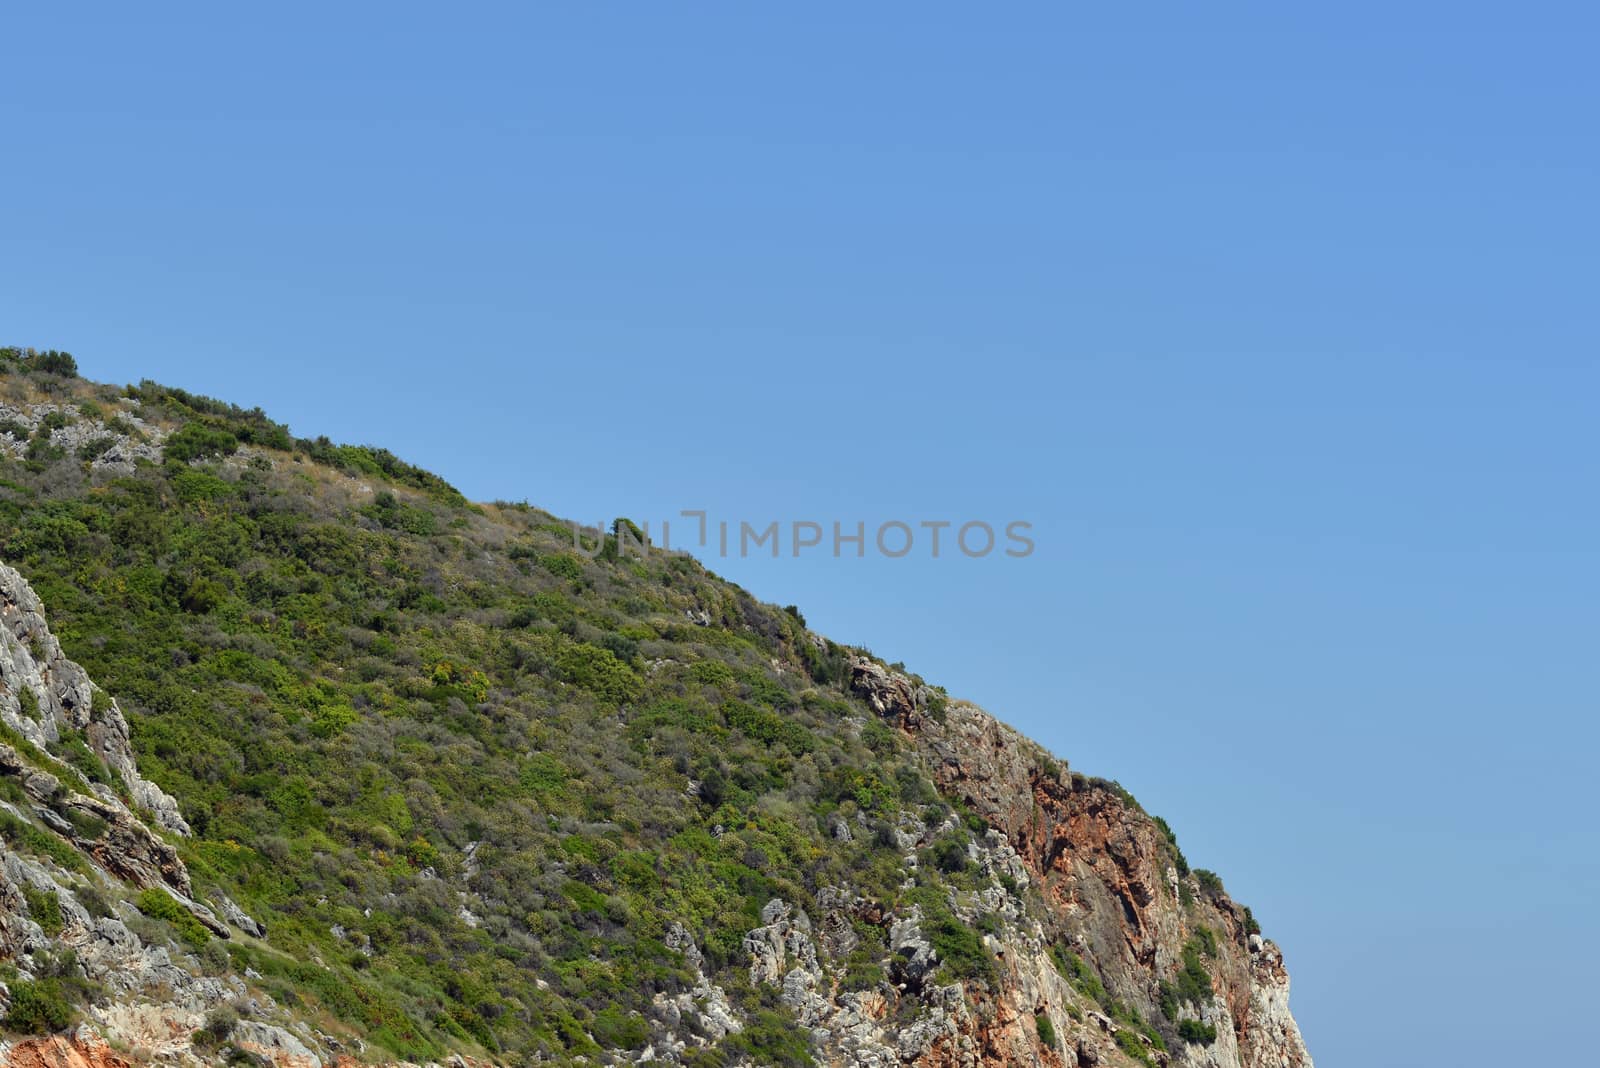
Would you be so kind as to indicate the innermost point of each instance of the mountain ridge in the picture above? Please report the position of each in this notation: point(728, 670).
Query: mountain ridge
point(894, 877)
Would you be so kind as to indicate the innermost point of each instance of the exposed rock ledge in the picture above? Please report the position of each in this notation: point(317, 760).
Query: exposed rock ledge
point(66, 701)
point(1106, 873)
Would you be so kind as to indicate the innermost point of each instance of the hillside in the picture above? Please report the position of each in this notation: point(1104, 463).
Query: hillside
point(306, 758)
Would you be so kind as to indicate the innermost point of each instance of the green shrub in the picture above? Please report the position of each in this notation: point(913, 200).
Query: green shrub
point(1077, 971)
point(712, 673)
point(160, 905)
point(95, 448)
point(218, 1026)
point(45, 908)
point(192, 441)
point(1047, 1030)
point(1192, 985)
point(93, 901)
point(30, 839)
point(38, 1007)
point(961, 951)
point(77, 753)
point(1178, 859)
point(614, 1028)
point(198, 487)
point(772, 1039)
point(52, 362)
point(1131, 1044)
point(598, 671)
point(767, 727)
point(1195, 1031)
point(949, 853)
point(87, 825)
point(562, 565)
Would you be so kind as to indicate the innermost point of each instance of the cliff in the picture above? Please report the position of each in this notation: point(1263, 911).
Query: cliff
point(343, 769)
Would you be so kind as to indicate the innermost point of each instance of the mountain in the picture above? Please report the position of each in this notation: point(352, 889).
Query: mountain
point(306, 759)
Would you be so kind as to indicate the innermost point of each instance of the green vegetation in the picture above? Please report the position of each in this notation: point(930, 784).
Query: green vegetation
point(38, 1007)
point(1077, 971)
point(1087, 982)
point(1047, 1031)
point(1192, 985)
point(44, 1004)
point(1195, 1031)
point(1178, 859)
point(35, 362)
point(961, 951)
point(359, 688)
point(1131, 1044)
point(377, 702)
point(30, 839)
point(160, 905)
point(45, 908)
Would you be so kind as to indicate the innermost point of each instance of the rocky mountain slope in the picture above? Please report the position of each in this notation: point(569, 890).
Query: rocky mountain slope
point(355, 771)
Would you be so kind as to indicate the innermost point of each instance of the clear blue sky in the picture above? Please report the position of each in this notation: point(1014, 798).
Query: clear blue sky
point(1279, 324)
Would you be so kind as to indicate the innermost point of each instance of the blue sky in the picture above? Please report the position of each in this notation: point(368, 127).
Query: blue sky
point(1278, 324)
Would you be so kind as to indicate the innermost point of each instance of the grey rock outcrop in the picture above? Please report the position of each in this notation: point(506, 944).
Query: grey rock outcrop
point(48, 698)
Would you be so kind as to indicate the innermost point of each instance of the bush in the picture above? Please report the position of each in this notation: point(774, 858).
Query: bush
point(160, 905)
point(52, 362)
point(1195, 1031)
point(1077, 971)
point(27, 837)
point(767, 727)
point(959, 948)
point(949, 853)
point(42, 451)
point(1192, 985)
point(598, 671)
point(38, 1008)
point(1047, 1030)
point(1178, 859)
point(93, 901)
point(773, 1039)
point(562, 565)
point(45, 908)
point(195, 440)
point(85, 825)
point(77, 753)
point(614, 1028)
point(218, 1026)
point(1130, 1043)
point(95, 448)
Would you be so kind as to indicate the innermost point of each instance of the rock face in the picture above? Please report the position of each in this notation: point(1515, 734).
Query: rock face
point(113, 444)
point(82, 1048)
point(47, 698)
point(1108, 885)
